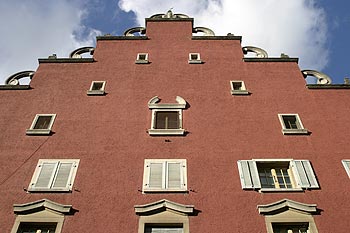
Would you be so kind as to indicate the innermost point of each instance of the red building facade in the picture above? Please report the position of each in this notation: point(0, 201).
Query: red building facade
point(170, 128)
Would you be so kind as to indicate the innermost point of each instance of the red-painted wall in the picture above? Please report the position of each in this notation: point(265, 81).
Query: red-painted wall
point(109, 133)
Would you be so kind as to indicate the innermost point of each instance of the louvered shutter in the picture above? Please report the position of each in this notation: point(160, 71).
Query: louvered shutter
point(163, 230)
point(156, 175)
point(174, 175)
point(304, 174)
point(46, 175)
point(249, 175)
point(63, 174)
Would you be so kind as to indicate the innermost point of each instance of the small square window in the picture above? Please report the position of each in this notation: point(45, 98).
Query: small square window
point(346, 164)
point(165, 175)
point(54, 175)
point(290, 227)
point(194, 58)
point(35, 227)
point(166, 122)
point(142, 58)
point(291, 124)
point(41, 124)
point(97, 88)
point(238, 88)
point(277, 175)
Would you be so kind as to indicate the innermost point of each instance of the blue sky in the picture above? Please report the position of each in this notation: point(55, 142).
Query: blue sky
point(316, 31)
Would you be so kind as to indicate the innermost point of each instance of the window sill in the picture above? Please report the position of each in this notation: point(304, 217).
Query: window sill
point(46, 190)
point(266, 190)
point(38, 131)
point(96, 92)
point(165, 191)
point(195, 62)
point(141, 62)
point(166, 131)
point(294, 131)
point(240, 92)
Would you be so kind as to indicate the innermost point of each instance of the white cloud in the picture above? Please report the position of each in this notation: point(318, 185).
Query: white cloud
point(297, 28)
point(37, 29)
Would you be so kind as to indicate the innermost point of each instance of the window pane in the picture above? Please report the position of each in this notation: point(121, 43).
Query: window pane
point(42, 122)
point(266, 178)
point(37, 227)
point(97, 86)
point(237, 85)
point(290, 227)
point(290, 122)
point(167, 120)
point(169, 229)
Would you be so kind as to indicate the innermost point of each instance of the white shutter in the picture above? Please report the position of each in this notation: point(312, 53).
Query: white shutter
point(304, 174)
point(46, 174)
point(174, 175)
point(249, 175)
point(156, 175)
point(63, 175)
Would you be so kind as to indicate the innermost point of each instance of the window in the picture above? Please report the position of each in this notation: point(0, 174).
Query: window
point(238, 88)
point(142, 58)
point(41, 124)
point(54, 175)
point(42, 216)
point(291, 124)
point(166, 118)
point(151, 228)
point(97, 88)
point(290, 227)
point(194, 58)
point(287, 216)
point(277, 175)
point(346, 164)
point(37, 227)
point(165, 175)
point(164, 217)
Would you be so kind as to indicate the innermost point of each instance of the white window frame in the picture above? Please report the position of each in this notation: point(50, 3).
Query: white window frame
point(97, 92)
point(141, 61)
point(47, 131)
point(299, 130)
point(242, 91)
point(165, 188)
point(194, 61)
point(346, 164)
point(53, 176)
point(154, 131)
point(302, 175)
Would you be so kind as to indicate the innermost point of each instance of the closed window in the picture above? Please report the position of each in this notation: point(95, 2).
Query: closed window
point(277, 175)
point(291, 124)
point(194, 58)
point(97, 88)
point(142, 58)
point(167, 120)
point(159, 228)
point(41, 124)
point(238, 88)
point(346, 164)
point(165, 175)
point(54, 175)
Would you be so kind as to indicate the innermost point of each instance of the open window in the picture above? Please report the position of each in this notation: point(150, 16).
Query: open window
point(194, 58)
point(142, 58)
point(53, 175)
point(238, 88)
point(97, 88)
point(165, 175)
point(164, 216)
point(166, 118)
point(42, 216)
point(287, 216)
point(291, 124)
point(41, 124)
point(346, 164)
point(269, 175)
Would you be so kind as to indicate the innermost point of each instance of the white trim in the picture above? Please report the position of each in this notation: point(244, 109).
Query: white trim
point(164, 162)
point(32, 131)
point(242, 91)
point(154, 131)
point(141, 61)
point(101, 91)
point(50, 188)
point(300, 128)
point(346, 164)
point(194, 61)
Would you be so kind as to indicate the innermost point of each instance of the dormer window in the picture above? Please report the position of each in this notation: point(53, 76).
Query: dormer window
point(194, 58)
point(97, 88)
point(142, 58)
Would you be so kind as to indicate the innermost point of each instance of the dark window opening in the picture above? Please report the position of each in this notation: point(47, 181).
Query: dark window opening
point(37, 227)
point(167, 120)
point(42, 122)
point(290, 122)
